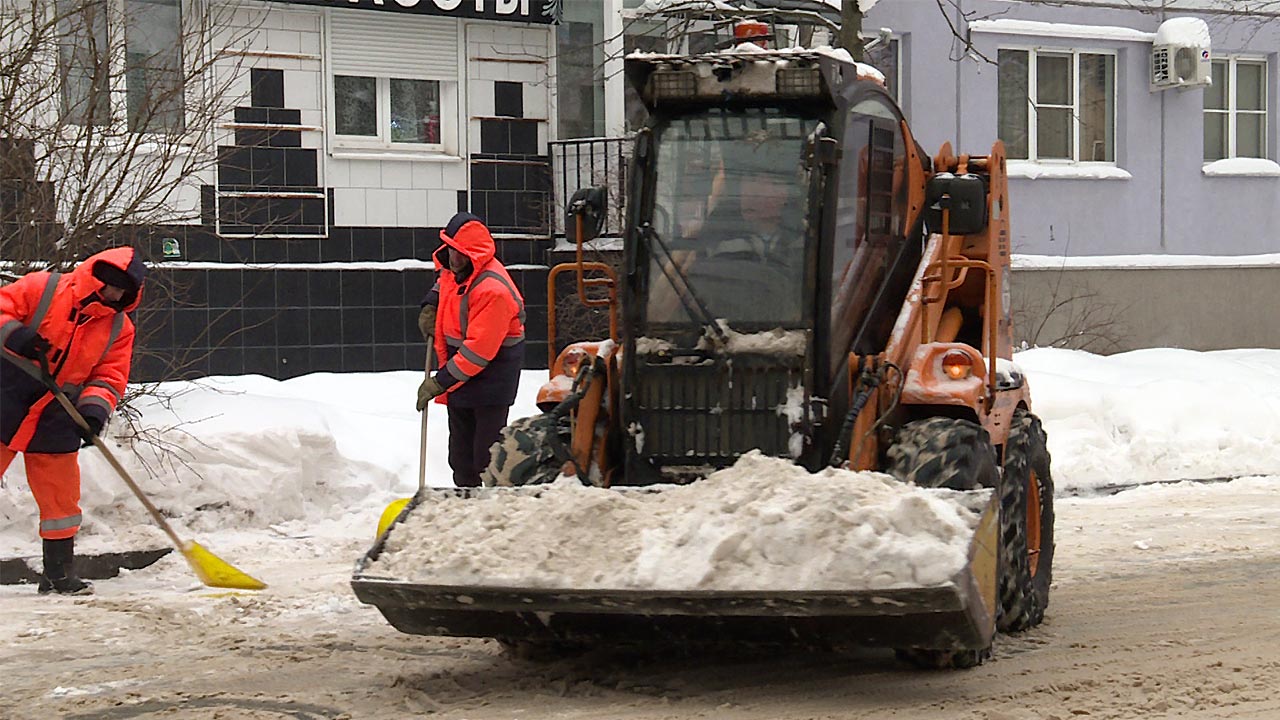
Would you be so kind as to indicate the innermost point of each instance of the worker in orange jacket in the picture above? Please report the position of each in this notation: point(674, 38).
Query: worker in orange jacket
point(77, 324)
point(474, 317)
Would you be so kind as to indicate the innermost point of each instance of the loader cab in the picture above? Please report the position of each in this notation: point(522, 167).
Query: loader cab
point(764, 227)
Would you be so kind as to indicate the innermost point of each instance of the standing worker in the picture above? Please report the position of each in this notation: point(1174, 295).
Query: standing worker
point(474, 318)
point(77, 325)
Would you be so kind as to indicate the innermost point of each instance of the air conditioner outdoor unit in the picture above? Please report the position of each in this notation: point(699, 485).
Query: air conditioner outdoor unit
point(1180, 55)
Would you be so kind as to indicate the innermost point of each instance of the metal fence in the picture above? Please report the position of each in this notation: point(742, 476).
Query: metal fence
point(586, 162)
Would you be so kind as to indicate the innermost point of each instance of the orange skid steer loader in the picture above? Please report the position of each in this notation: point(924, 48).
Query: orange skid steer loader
point(800, 279)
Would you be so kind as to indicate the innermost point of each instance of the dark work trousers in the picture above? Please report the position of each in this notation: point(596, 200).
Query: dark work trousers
point(472, 430)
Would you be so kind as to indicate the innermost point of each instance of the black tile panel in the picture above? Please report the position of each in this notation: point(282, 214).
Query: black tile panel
point(226, 360)
point(261, 361)
point(357, 325)
point(326, 326)
point(267, 88)
point(524, 137)
point(356, 288)
point(388, 289)
point(495, 136)
point(292, 328)
point(356, 358)
point(388, 326)
point(270, 250)
point(397, 243)
point(389, 357)
point(326, 359)
point(508, 99)
point(484, 176)
point(324, 288)
point(251, 115)
point(300, 167)
point(190, 327)
point(259, 288)
point(279, 115)
point(260, 327)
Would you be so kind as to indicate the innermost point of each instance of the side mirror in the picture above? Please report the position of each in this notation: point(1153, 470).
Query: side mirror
point(965, 196)
point(585, 214)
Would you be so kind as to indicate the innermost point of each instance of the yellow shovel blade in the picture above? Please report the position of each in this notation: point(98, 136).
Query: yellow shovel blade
point(390, 514)
point(216, 572)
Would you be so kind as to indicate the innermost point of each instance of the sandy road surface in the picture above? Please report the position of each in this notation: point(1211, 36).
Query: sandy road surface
point(1166, 604)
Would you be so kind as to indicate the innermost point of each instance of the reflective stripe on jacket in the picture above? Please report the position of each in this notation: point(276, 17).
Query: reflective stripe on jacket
point(92, 350)
point(479, 322)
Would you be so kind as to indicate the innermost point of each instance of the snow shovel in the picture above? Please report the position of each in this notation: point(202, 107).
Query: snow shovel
point(393, 510)
point(211, 569)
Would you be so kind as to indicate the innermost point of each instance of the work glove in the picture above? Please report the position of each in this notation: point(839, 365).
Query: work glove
point(427, 322)
point(95, 418)
point(429, 389)
point(27, 342)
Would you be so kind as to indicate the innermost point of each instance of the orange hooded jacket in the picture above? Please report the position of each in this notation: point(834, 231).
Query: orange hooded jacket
point(92, 350)
point(479, 321)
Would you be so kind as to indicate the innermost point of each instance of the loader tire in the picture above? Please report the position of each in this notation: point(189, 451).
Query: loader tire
point(1026, 526)
point(524, 454)
point(941, 452)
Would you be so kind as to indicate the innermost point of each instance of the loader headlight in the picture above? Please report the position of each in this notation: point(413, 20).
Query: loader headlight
point(957, 365)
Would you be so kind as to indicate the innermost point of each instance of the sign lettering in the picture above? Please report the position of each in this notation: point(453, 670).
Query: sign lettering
point(525, 11)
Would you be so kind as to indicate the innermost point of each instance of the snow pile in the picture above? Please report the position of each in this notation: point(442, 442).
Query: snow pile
point(763, 524)
point(323, 452)
point(768, 342)
point(1242, 167)
point(1158, 414)
point(1187, 31)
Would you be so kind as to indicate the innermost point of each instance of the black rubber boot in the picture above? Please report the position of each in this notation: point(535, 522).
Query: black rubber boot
point(59, 572)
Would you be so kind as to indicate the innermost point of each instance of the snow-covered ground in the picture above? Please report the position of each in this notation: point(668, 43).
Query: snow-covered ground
point(234, 458)
point(1168, 582)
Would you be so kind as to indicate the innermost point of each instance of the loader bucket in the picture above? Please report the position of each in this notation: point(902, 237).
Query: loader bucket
point(959, 614)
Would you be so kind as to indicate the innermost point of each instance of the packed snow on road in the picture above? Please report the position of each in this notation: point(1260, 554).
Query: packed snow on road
point(1161, 576)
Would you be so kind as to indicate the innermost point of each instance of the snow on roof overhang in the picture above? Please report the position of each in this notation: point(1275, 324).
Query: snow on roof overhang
point(828, 10)
point(1061, 30)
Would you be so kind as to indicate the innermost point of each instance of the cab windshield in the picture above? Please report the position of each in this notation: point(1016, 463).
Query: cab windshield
point(729, 206)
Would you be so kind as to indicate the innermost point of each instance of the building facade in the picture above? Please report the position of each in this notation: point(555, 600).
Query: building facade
point(356, 130)
point(1105, 163)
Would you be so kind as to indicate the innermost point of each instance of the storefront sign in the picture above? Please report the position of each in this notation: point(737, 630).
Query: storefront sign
point(525, 11)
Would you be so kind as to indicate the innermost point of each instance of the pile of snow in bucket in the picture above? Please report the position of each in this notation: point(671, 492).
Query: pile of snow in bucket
point(763, 524)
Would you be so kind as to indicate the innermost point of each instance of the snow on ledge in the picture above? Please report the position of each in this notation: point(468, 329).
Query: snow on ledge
point(1088, 171)
point(1242, 167)
point(1061, 30)
point(1141, 262)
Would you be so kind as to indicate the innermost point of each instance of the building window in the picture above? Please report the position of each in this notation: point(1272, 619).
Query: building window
point(148, 76)
point(387, 110)
point(153, 74)
point(885, 57)
point(1235, 110)
point(1057, 105)
point(84, 68)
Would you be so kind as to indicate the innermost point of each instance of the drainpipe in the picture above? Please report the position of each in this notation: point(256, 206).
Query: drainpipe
point(959, 5)
point(1162, 152)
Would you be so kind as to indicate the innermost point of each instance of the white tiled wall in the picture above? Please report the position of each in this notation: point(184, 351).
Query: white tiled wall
point(402, 192)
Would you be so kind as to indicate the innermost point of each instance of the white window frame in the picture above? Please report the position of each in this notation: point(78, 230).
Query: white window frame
point(1033, 133)
point(452, 120)
point(118, 90)
point(448, 93)
point(1232, 112)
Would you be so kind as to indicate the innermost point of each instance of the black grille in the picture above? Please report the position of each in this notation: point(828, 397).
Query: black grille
point(709, 414)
